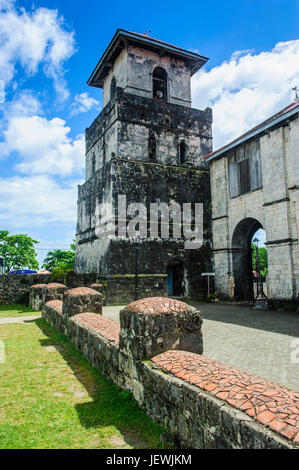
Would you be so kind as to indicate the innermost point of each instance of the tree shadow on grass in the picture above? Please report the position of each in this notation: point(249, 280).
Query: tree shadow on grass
point(110, 406)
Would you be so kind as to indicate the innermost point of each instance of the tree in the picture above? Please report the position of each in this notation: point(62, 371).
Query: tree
point(60, 259)
point(18, 251)
point(262, 259)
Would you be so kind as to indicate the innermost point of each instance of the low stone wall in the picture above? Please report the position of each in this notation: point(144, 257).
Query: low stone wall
point(15, 288)
point(52, 313)
point(203, 403)
point(117, 290)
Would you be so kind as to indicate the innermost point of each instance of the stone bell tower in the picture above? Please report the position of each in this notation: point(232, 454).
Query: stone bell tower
point(147, 144)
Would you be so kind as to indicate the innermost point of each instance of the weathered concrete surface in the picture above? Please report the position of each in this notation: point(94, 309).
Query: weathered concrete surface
point(146, 183)
point(25, 319)
point(272, 204)
point(258, 342)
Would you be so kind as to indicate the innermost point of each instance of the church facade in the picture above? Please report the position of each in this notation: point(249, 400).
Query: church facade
point(146, 147)
point(254, 184)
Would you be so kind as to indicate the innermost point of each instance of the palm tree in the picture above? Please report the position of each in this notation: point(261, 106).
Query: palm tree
point(58, 257)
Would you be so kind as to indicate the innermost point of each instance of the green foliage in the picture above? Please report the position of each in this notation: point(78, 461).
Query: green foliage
point(18, 251)
point(60, 261)
point(262, 260)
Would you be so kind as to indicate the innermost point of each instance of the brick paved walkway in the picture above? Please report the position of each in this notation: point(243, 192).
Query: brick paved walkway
point(258, 342)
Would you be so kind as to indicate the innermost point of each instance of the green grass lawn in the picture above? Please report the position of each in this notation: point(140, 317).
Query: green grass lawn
point(16, 310)
point(52, 398)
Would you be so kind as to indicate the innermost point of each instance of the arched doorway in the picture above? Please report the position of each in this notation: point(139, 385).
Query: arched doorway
point(175, 280)
point(242, 256)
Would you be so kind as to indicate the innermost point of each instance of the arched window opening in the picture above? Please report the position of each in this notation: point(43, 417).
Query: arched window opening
point(113, 88)
point(152, 147)
point(182, 152)
point(160, 84)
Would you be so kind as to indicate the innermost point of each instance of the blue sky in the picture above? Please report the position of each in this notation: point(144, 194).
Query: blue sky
point(48, 50)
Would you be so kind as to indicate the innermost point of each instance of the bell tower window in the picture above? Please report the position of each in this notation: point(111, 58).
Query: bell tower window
point(160, 84)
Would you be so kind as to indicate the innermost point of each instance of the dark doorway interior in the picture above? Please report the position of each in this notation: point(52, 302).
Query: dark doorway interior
point(175, 281)
point(242, 258)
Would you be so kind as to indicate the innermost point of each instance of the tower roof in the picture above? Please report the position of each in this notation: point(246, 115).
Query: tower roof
point(120, 40)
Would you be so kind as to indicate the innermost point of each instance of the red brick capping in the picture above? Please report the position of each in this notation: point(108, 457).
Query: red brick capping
point(56, 304)
point(106, 327)
point(82, 291)
point(158, 305)
point(272, 405)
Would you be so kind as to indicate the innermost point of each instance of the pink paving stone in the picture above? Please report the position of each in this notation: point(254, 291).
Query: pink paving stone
point(277, 425)
point(265, 417)
point(270, 404)
point(107, 328)
point(289, 431)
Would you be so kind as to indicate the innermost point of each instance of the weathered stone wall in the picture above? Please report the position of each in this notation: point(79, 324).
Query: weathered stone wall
point(274, 207)
point(133, 70)
point(125, 124)
point(15, 288)
point(121, 288)
point(146, 183)
point(204, 404)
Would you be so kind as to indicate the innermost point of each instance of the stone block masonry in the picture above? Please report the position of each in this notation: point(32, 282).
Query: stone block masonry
point(53, 291)
point(15, 288)
point(80, 300)
point(150, 326)
point(36, 298)
point(203, 403)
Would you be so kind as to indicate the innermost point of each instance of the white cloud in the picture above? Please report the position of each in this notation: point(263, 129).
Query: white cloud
point(83, 103)
point(35, 201)
point(33, 38)
point(247, 89)
point(43, 145)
